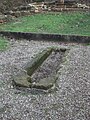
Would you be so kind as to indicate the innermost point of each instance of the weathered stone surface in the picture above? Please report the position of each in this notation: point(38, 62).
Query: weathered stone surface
point(37, 61)
point(45, 83)
point(25, 81)
point(50, 66)
point(41, 72)
point(21, 80)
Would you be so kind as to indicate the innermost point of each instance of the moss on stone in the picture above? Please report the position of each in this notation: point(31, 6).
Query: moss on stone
point(37, 61)
point(22, 80)
point(45, 83)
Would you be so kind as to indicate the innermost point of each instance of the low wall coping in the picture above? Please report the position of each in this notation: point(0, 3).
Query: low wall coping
point(47, 37)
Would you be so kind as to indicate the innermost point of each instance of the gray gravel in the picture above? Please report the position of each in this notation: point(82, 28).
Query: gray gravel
point(71, 100)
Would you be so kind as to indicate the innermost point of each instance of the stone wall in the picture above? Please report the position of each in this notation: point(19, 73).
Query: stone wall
point(87, 2)
point(47, 37)
point(6, 5)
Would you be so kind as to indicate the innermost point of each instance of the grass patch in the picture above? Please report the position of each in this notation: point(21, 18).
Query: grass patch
point(62, 23)
point(3, 43)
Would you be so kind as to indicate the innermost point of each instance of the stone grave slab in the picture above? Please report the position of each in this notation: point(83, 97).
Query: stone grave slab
point(41, 71)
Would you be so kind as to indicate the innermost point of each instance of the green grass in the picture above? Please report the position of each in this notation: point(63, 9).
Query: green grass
point(3, 43)
point(62, 23)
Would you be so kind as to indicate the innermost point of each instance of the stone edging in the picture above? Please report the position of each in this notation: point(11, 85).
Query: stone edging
point(48, 37)
point(25, 79)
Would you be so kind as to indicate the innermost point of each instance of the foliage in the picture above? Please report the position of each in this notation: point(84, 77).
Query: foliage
point(62, 23)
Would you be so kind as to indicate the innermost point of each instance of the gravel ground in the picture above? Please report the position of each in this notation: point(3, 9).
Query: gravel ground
point(71, 101)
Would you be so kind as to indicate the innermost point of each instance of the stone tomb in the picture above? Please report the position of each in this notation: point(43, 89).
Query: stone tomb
point(41, 71)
